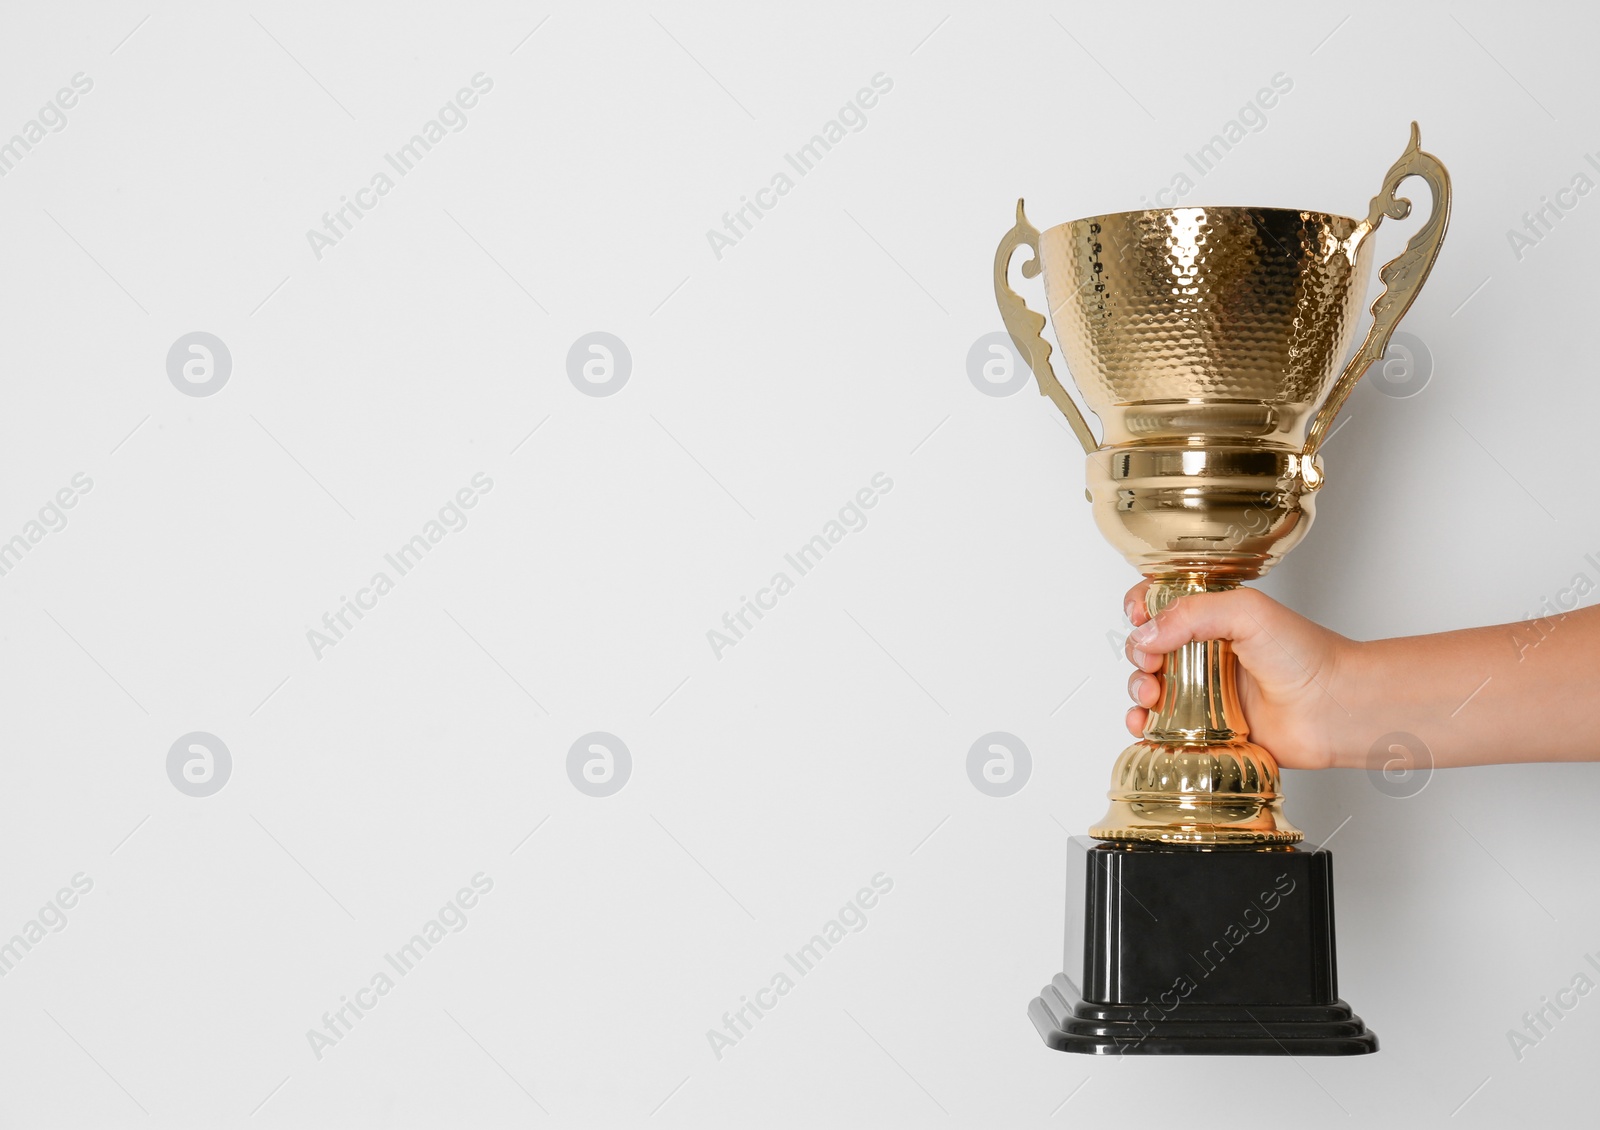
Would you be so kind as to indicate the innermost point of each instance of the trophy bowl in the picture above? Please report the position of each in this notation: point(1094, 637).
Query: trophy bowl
point(1203, 339)
point(1208, 343)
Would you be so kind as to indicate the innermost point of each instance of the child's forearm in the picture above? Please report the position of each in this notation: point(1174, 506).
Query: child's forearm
point(1514, 692)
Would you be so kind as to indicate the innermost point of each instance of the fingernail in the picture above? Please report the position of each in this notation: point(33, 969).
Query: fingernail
point(1130, 608)
point(1144, 633)
point(1139, 658)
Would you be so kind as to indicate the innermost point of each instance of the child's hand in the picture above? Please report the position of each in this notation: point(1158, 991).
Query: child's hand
point(1315, 700)
point(1290, 669)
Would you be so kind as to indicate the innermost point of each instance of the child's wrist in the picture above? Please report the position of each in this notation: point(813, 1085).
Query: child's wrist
point(1353, 671)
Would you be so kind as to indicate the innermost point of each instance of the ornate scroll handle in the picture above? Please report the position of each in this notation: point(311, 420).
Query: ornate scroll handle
point(1402, 276)
point(1026, 327)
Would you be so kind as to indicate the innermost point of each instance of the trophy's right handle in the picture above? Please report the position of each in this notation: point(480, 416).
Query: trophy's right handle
point(1402, 276)
point(1026, 328)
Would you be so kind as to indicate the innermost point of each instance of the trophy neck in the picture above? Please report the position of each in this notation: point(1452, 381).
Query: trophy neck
point(1199, 697)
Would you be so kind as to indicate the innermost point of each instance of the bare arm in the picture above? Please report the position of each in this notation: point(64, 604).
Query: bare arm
point(1515, 692)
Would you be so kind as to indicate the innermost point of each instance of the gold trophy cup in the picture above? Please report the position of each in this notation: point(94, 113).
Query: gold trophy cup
point(1207, 341)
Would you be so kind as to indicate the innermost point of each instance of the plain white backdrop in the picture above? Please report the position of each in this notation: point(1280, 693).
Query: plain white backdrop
point(370, 380)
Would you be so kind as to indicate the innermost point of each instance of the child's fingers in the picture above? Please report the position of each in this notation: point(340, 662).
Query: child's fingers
point(1203, 616)
point(1142, 659)
point(1133, 603)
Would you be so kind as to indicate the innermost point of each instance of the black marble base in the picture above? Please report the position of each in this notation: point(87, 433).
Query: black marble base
point(1183, 951)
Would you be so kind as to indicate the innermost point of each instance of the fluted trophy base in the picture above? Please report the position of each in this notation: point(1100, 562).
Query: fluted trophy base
point(1201, 792)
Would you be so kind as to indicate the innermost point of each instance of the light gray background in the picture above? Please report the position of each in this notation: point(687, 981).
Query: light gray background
point(766, 389)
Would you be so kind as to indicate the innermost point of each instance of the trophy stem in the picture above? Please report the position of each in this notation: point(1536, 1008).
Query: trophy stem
point(1199, 691)
point(1196, 778)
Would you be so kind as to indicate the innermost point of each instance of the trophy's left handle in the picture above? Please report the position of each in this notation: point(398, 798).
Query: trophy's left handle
point(1026, 327)
point(1402, 276)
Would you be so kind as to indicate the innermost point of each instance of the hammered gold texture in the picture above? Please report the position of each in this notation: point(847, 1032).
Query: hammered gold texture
point(1217, 305)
